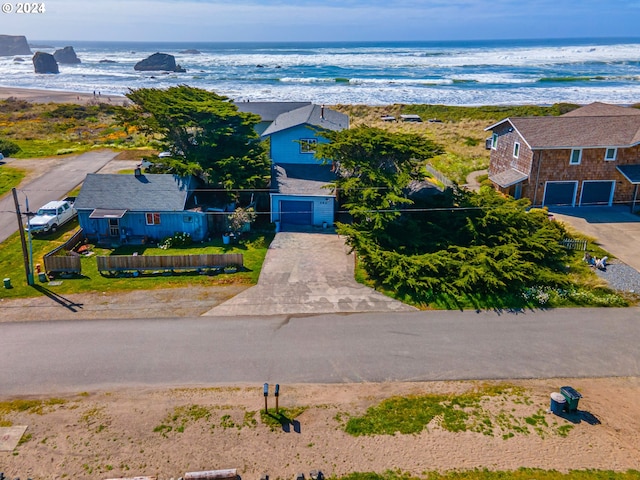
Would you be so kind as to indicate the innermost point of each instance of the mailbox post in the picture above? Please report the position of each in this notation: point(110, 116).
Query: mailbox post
point(266, 394)
point(277, 393)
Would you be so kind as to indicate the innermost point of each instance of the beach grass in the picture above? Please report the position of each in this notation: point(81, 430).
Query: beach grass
point(50, 129)
point(462, 412)
point(484, 474)
point(459, 130)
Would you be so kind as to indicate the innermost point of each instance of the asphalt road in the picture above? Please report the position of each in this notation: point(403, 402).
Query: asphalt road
point(75, 356)
point(53, 184)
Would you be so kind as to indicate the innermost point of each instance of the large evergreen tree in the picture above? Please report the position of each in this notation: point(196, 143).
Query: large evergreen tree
point(374, 168)
point(456, 248)
point(205, 133)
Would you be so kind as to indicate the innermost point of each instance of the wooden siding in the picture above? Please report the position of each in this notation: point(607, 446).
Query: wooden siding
point(553, 166)
point(502, 157)
point(135, 225)
point(323, 207)
point(285, 146)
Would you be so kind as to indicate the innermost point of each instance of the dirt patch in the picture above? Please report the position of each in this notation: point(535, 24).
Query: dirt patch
point(161, 303)
point(170, 432)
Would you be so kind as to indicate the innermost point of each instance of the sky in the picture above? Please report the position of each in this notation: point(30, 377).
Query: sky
point(320, 20)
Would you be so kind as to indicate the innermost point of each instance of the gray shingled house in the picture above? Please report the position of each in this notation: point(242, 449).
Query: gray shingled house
point(139, 208)
point(589, 156)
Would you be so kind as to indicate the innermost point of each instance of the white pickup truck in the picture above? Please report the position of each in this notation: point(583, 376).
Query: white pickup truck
point(52, 215)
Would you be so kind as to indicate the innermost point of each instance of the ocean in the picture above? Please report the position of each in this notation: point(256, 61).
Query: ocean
point(506, 72)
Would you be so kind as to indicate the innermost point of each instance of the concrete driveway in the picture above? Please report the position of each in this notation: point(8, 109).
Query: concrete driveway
point(307, 273)
point(616, 228)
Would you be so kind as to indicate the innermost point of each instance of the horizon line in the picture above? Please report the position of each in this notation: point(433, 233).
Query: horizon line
point(330, 42)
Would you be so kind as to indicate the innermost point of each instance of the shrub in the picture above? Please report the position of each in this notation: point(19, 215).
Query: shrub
point(8, 148)
point(180, 239)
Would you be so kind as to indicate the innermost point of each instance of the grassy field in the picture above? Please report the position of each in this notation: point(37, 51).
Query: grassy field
point(43, 130)
point(253, 248)
point(459, 130)
point(9, 178)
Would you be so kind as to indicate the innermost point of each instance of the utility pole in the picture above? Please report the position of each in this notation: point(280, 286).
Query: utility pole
point(25, 252)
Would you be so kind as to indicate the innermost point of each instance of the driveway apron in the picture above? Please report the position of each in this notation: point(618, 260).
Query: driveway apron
point(307, 273)
point(616, 229)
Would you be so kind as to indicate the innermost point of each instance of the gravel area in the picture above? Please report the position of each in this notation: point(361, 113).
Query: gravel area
point(621, 276)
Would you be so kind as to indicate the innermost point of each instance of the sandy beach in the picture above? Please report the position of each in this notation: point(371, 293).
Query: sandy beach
point(55, 96)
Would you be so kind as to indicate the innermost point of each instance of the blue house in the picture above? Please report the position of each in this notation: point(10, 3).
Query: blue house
point(138, 208)
point(299, 195)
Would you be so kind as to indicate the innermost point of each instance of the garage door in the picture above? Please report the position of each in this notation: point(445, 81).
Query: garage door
point(560, 193)
point(295, 212)
point(597, 193)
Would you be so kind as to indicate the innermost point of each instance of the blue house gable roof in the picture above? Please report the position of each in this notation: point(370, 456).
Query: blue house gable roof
point(269, 111)
point(312, 115)
point(153, 192)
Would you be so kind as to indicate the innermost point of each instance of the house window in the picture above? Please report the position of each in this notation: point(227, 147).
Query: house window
point(308, 145)
point(153, 218)
point(611, 154)
point(576, 157)
point(494, 141)
point(516, 150)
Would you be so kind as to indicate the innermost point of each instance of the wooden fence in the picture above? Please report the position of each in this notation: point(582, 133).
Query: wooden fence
point(140, 263)
point(439, 176)
point(54, 262)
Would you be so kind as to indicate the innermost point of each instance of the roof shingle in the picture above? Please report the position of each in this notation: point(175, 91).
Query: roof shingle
point(153, 192)
point(314, 115)
point(596, 125)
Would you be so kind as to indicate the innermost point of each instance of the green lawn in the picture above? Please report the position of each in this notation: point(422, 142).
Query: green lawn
point(253, 248)
point(9, 178)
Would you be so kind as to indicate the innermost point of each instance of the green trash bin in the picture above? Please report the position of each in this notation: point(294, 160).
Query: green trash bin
point(7, 283)
point(572, 396)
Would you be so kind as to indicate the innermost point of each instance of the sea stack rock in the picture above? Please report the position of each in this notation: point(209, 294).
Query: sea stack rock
point(11, 45)
point(66, 55)
point(158, 62)
point(45, 63)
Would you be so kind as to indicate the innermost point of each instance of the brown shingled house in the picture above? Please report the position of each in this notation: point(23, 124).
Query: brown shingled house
point(590, 156)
